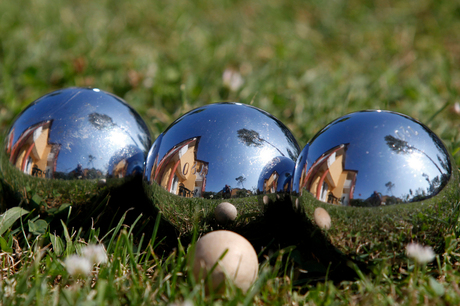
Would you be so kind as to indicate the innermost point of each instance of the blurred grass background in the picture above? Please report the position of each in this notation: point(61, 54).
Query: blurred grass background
point(306, 62)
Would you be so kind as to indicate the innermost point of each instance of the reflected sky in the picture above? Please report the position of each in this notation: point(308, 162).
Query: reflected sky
point(81, 141)
point(228, 155)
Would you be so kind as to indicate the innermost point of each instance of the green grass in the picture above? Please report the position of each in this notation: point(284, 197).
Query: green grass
point(306, 62)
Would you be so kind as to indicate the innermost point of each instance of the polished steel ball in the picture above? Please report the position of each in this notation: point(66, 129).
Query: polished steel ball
point(215, 152)
point(64, 144)
point(384, 179)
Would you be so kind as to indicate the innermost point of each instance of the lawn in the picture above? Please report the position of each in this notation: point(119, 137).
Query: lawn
point(305, 62)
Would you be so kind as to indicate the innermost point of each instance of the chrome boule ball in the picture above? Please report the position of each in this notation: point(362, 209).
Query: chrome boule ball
point(68, 144)
point(384, 179)
point(219, 152)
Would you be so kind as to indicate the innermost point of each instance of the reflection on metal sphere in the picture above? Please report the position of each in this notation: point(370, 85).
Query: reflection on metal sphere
point(276, 176)
point(377, 173)
point(219, 151)
point(73, 137)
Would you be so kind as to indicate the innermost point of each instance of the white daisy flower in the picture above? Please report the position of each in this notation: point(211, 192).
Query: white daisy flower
point(94, 253)
point(232, 79)
point(420, 253)
point(78, 266)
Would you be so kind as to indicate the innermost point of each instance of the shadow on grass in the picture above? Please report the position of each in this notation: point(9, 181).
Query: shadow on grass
point(269, 228)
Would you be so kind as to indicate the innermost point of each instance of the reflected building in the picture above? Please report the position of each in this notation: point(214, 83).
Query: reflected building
point(274, 184)
point(180, 172)
point(126, 161)
point(80, 173)
point(120, 169)
point(271, 184)
point(276, 176)
point(328, 180)
point(92, 173)
point(32, 153)
point(240, 193)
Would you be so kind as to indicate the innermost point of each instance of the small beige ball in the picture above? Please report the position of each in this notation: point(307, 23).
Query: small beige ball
point(225, 212)
point(239, 264)
point(322, 218)
point(266, 200)
point(101, 183)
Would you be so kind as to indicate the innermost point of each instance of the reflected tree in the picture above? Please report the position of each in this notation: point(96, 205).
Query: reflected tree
point(402, 147)
point(427, 177)
point(240, 180)
point(443, 159)
point(90, 160)
point(101, 121)
point(104, 122)
point(252, 138)
point(444, 164)
point(390, 186)
point(435, 185)
point(420, 194)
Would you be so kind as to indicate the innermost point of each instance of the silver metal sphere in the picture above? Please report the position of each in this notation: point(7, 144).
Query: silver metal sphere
point(384, 178)
point(219, 151)
point(66, 142)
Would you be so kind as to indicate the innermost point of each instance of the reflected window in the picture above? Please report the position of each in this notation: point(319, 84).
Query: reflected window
point(174, 185)
point(324, 190)
point(28, 168)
